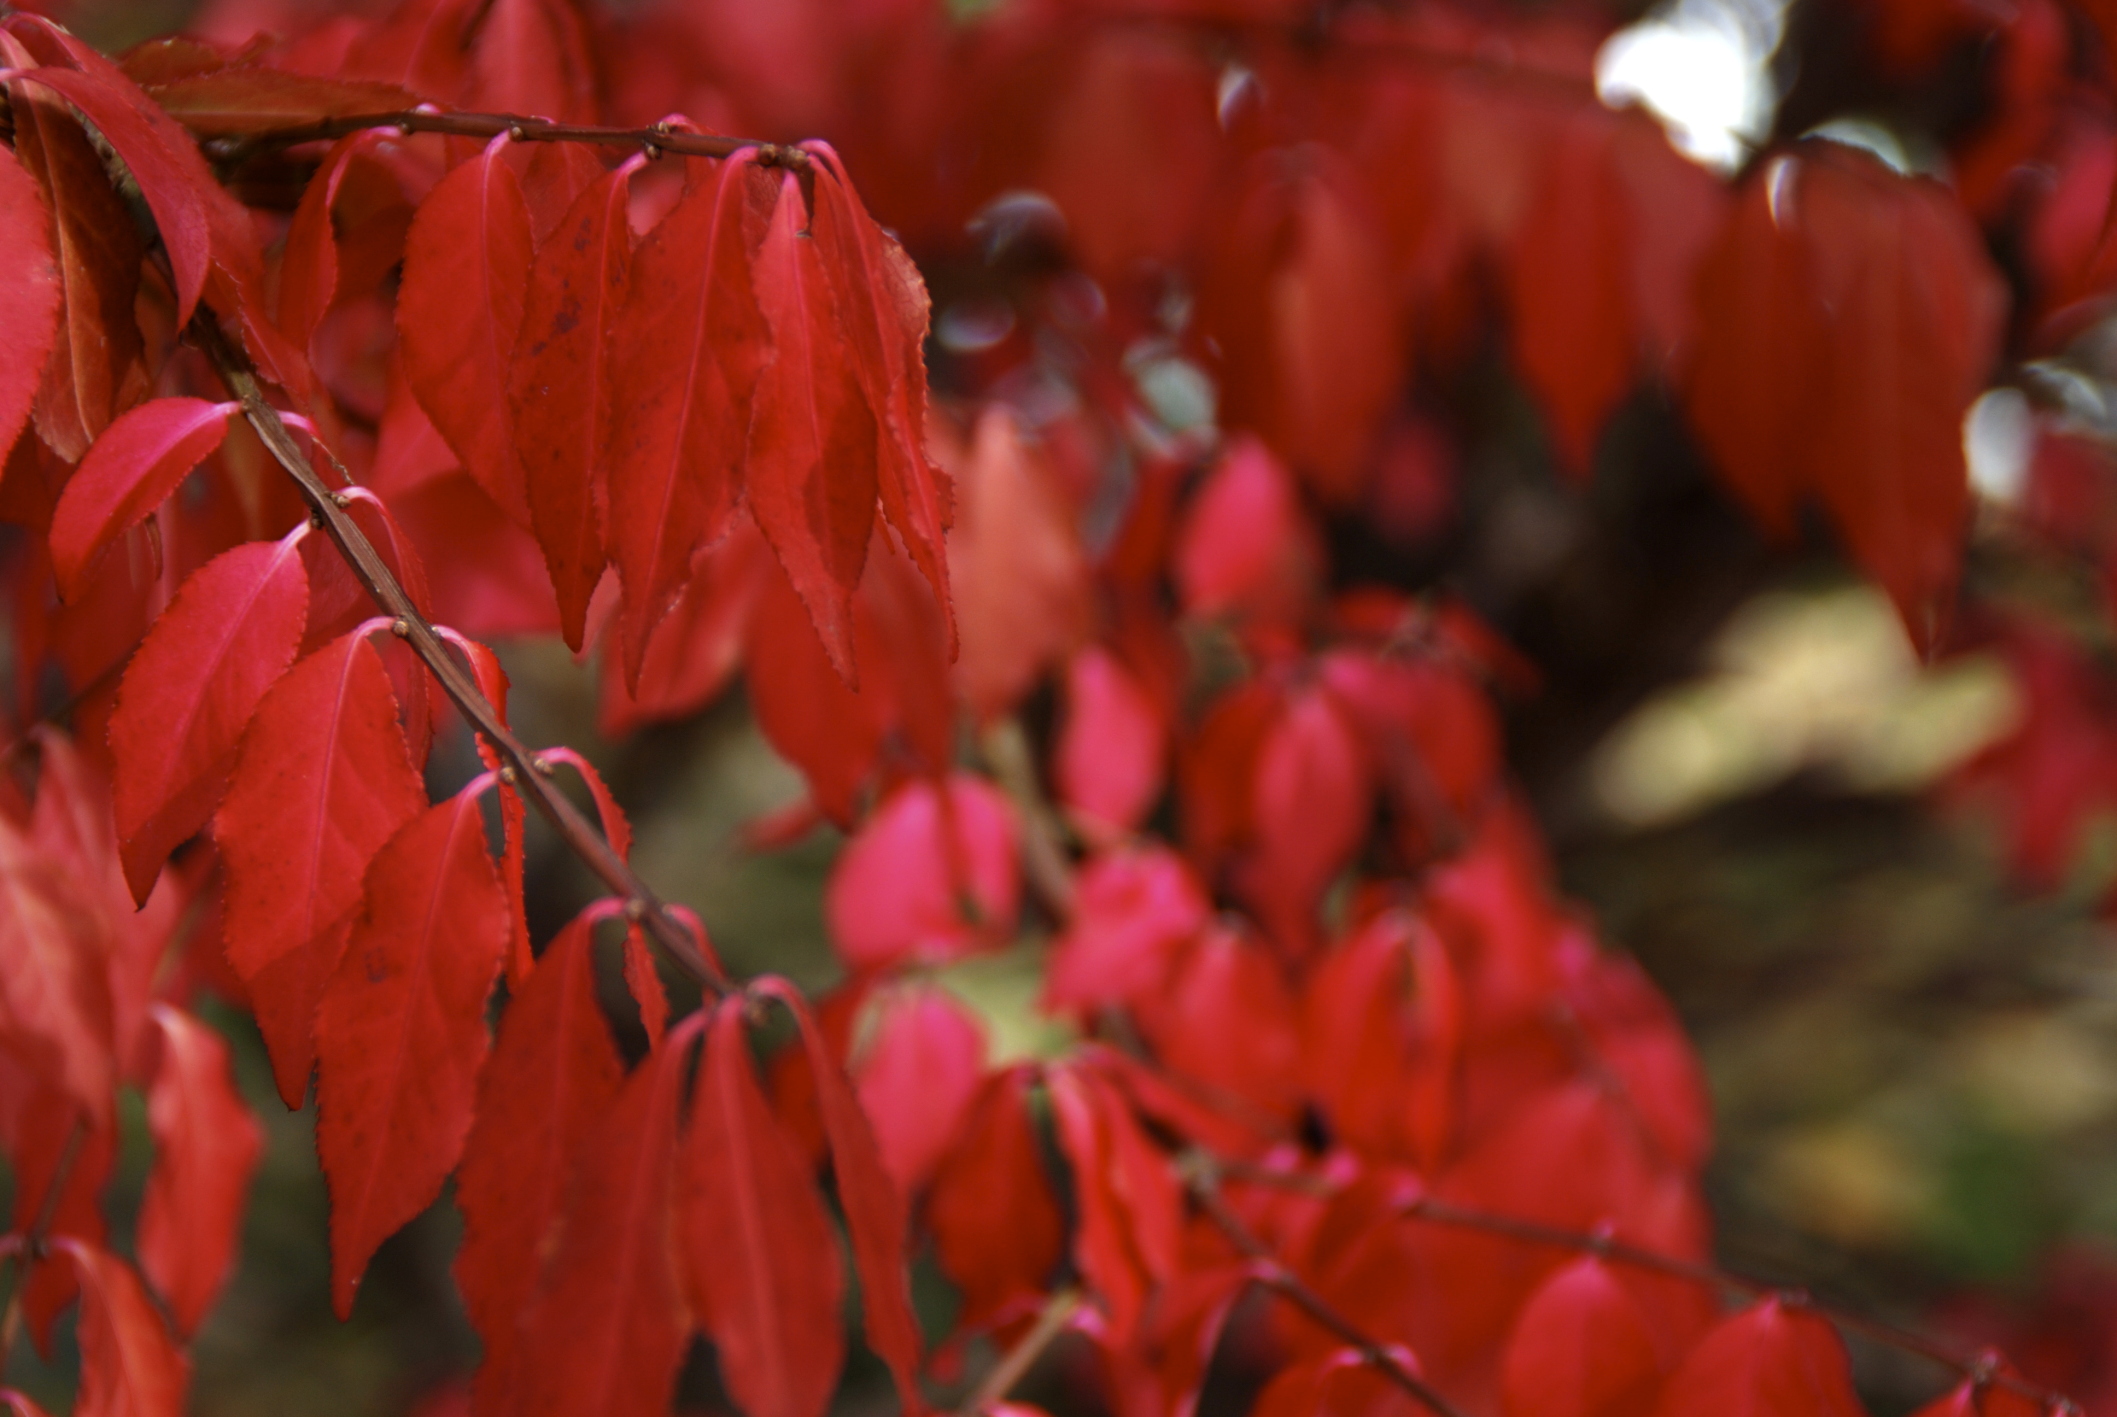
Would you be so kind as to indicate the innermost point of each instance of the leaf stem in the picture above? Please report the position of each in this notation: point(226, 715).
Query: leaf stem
point(1015, 1363)
point(529, 773)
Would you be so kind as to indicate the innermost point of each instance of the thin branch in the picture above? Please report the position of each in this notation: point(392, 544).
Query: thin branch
point(1389, 1360)
point(520, 768)
point(1015, 1364)
point(654, 140)
point(1050, 874)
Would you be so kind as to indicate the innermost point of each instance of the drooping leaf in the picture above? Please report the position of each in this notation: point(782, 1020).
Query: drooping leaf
point(1130, 1206)
point(206, 1145)
point(552, 1079)
point(607, 1330)
point(758, 1255)
point(189, 692)
point(684, 349)
point(884, 310)
point(466, 266)
point(559, 392)
point(323, 780)
point(30, 288)
point(55, 1005)
point(532, 56)
point(1017, 567)
point(916, 1071)
point(811, 474)
point(874, 1211)
point(131, 469)
point(996, 1224)
point(130, 1367)
point(308, 269)
point(1112, 747)
point(401, 1032)
point(120, 113)
point(94, 366)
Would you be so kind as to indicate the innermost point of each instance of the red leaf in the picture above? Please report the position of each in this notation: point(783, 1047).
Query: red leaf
point(1132, 912)
point(190, 690)
point(1970, 1399)
point(250, 98)
point(1112, 747)
point(1244, 547)
point(1848, 316)
point(532, 56)
point(552, 1079)
point(694, 651)
point(129, 1365)
point(607, 1331)
point(1296, 296)
point(401, 1032)
point(119, 112)
point(996, 1223)
point(1130, 1204)
point(41, 1121)
point(920, 1063)
point(758, 1254)
point(1580, 1349)
point(874, 1212)
point(885, 311)
point(29, 294)
point(324, 779)
point(685, 348)
point(1573, 329)
point(94, 367)
point(930, 877)
point(55, 1004)
point(131, 470)
point(1313, 799)
point(308, 271)
point(466, 266)
point(206, 1147)
point(1018, 569)
point(811, 475)
point(1226, 1019)
point(1767, 1361)
point(559, 391)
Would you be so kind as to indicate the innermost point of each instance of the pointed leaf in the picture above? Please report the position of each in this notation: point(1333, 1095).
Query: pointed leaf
point(916, 1071)
point(608, 1331)
point(1580, 1349)
point(552, 1079)
point(996, 1224)
point(189, 692)
point(55, 1005)
point(759, 1257)
point(120, 113)
point(930, 877)
point(685, 348)
point(1767, 1361)
point(206, 1147)
point(129, 1365)
point(559, 391)
point(811, 475)
point(874, 1212)
point(131, 470)
point(466, 265)
point(1112, 747)
point(401, 1033)
point(95, 365)
point(323, 780)
point(29, 294)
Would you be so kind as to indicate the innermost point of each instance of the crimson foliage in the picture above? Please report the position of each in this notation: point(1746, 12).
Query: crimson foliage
point(1335, 1039)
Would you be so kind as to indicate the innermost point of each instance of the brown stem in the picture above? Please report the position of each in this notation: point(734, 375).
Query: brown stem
point(1050, 874)
point(1015, 1364)
point(520, 768)
point(659, 138)
point(1391, 1362)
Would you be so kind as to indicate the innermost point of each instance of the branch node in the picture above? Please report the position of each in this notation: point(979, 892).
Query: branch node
point(401, 628)
point(652, 150)
point(516, 133)
point(341, 500)
point(541, 765)
point(635, 910)
point(508, 775)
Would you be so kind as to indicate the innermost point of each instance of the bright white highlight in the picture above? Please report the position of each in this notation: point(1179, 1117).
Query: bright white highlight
point(1999, 434)
point(1702, 67)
